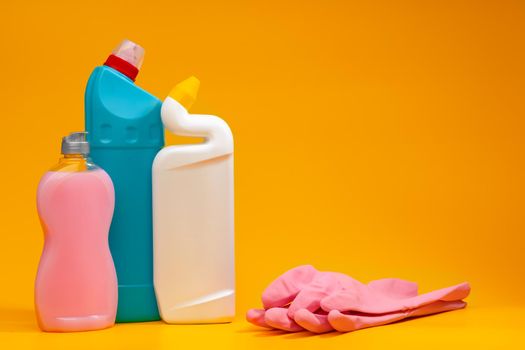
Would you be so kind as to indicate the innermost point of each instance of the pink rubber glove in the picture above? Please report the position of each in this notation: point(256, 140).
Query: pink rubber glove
point(303, 288)
point(293, 301)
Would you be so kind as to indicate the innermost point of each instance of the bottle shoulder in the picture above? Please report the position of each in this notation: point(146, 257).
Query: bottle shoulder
point(74, 165)
point(180, 155)
point(107, 75)
point(111, 94)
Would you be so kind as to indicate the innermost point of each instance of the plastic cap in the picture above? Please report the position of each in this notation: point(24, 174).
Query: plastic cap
point(75, 143)
point(130, 52)
point(185, 92)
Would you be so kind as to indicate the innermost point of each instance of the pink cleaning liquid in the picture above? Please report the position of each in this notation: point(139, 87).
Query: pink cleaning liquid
point(76, 284)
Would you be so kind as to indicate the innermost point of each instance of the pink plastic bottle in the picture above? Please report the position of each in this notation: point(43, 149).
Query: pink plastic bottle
point(76, 284)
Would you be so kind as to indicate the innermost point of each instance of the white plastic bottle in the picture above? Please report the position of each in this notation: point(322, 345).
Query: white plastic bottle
point(194, 275)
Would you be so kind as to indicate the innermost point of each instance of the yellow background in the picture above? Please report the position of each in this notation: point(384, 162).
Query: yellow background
point(379, 139)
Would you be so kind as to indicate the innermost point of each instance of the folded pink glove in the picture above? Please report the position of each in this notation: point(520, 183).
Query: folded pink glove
point(304, 298)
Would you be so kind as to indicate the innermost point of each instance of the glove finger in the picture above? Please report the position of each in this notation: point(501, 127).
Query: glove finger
point(286, 287)
point(348, 323)
point(256, 317)
point(312, 322)
point(277, 317)
point(394, 287)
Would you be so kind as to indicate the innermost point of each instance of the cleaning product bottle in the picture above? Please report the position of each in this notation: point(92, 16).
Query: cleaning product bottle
point(125, 133)
point(76, 284)
point(193, 216)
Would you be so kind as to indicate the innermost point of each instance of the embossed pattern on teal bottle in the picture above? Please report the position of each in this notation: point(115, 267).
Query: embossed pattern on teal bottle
point(125, 133)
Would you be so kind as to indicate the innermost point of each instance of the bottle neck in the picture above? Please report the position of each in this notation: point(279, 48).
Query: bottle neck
point(77, 156)
point(122, 66)
point(73, 163)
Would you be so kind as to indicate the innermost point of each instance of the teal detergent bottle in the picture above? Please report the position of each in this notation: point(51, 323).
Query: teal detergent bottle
point(125, 133)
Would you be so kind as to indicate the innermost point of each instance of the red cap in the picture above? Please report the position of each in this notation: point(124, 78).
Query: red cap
point(122, 66)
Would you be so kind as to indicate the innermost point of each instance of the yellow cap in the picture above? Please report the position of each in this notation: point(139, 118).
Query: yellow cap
point(185, 92)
